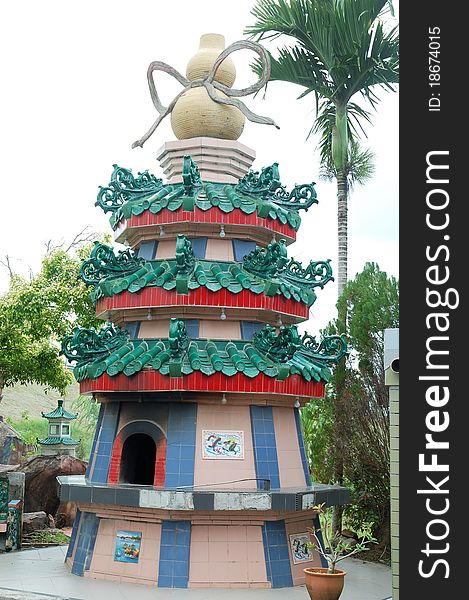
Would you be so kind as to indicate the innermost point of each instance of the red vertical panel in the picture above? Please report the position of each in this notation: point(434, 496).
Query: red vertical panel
point(114, 467)
point(160, 463)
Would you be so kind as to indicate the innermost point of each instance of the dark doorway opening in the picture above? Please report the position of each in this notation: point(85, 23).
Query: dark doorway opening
point(138, 460)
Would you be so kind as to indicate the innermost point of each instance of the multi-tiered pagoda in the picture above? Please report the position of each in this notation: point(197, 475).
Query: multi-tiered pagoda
point(198, 474)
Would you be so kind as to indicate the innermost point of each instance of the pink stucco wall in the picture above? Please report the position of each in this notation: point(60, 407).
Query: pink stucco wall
point(157, 328)
point(208, 329)
point(220, 330)
point(166, 249)
point(103, 565)
point(227, 556)
point(224, 417)
point(219, 249)
point(288, 451)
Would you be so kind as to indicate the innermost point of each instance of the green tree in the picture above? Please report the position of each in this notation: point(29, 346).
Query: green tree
point(341, 49)
point(372, 305)
point(317, 422)
point(36, 314)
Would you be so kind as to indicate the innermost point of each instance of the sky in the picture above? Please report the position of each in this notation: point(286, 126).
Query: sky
point(75, 97)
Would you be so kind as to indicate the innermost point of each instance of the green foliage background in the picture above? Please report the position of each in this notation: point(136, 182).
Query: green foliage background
point(37, 313)
point(362, 411)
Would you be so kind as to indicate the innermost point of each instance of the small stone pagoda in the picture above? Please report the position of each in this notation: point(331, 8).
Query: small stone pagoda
point(198, 475)
point(59, 439)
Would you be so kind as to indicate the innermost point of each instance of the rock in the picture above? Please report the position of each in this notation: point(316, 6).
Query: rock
point(41, 487)
point(50, 522)
point(33, 521)
point(65, 514)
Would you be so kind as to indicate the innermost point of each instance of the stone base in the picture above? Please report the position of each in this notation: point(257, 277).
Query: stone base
point(198, 551)
point(219, 161)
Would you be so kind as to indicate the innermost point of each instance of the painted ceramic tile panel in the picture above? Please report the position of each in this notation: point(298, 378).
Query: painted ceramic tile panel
point(222, 444)
point(128, 546)
point(299, 548)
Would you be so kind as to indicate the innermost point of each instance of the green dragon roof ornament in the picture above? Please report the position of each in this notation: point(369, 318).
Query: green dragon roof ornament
point(85, 345)
point(267, 185)
point(126, 195)
point(275, 354)
point(104, 263)
point(282, 346)
point(273, 261)
point(124, 186)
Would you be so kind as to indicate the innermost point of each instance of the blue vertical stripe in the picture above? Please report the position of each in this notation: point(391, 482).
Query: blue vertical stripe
point(192, 327)
point(147, 250)
point(180, 450)
point(106, 437)
point(95, 440)
point(277, 556)
point(249, 328)
point(85, 543)
point(133, 327)
point(265, 446)
point(301, 444)
point(199, 246)
point(76, 525)
point(241, 248)
point(174, 554)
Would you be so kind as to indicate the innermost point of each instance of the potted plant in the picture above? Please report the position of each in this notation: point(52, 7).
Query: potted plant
point(328, 583)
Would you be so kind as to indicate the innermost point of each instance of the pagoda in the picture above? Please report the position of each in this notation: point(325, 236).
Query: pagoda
point(198, 474)
point(59, 439)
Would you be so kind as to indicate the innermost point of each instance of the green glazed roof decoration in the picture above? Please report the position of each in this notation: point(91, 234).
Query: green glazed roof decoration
point(316, 274)
point(124, 186)
point(265, 271)
point(59, 412)
point(104, 263)
point(127, 195)
point(266, 262)
point(178, 338)
point(190, 175)
point(273, 262)
point(55, 440)
point(276, 355)
point(185, 258)
point(282, 346)
point(267, 185)
point(84, 345)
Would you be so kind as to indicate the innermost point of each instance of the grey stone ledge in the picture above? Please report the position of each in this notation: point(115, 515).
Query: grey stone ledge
point(79, 489)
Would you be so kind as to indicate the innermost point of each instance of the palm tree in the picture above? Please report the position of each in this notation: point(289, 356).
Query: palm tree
point(342, 49)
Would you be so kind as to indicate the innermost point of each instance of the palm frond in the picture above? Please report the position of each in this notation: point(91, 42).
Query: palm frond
point(344, 38)
point(325, 121)
point(359, 168)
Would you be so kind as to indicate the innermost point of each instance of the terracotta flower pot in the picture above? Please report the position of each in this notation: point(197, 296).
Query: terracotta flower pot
point(322, 585)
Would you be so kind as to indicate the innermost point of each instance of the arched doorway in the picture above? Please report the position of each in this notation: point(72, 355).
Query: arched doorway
point(138, 460)
point(134, 455)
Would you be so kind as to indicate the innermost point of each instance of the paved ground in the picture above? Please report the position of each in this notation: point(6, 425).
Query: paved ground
point(42, 574)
